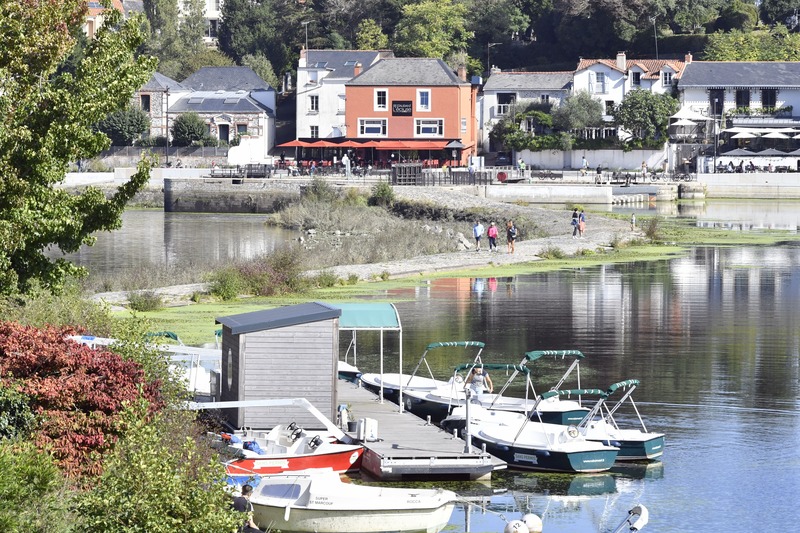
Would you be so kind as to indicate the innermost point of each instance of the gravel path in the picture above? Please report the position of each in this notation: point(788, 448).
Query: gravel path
point(555, 223)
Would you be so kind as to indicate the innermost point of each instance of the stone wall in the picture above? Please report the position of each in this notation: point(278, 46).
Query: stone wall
point(227, 195)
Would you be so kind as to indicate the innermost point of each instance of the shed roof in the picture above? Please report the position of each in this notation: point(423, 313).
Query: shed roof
point(281, 317)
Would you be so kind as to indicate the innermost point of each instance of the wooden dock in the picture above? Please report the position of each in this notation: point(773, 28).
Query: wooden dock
point(408, 447)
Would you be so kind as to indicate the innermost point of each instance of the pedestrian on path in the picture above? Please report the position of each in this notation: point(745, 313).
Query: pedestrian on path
point(584, 165)
point(511, 235)
point(492, 234)
point(477, 232)
point(575, 223)
point(581, 223)
point(633, 221)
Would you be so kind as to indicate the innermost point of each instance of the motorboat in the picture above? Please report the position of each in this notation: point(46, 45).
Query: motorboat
point(387, 385)
point(347, 371)
point(320, 502)
point(600, 425)
point(439, 403)
point(535, 445)
point(285, 448)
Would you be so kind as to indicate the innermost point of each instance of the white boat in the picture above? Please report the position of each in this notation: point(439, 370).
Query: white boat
point(388, 384)
point(534, 445)
point(320, 502)
point(438, 403)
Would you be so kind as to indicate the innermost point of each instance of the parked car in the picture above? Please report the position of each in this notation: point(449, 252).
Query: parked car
point(503, 159)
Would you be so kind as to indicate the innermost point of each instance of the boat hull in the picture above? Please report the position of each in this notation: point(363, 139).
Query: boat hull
point(348, 459)
point(636, 450)
point(355, 521)
point(542, 460)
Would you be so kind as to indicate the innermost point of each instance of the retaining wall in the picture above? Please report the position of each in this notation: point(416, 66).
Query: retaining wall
point(226, 195)
point(751, 185)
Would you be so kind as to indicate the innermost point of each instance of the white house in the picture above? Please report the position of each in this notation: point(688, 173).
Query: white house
point(321, 75)
point(503, 89)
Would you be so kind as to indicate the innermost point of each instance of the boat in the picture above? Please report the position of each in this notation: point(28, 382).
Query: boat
point(438, 403)
point(320, 502)
point(387, 385)
point(347, 372)
point(285, 448)
point(535, 445)
point(600, 425)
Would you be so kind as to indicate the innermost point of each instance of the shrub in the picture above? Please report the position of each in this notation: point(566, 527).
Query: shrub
point(382, 194)
point(143, 301)
point(125, 126)
point(652, 229)
point(385, 275)
point(326, 279)
point(226, 284)
point(352, 279)
point(552, 252)
point(188, 128)
point(320, 190)
point(16, 417)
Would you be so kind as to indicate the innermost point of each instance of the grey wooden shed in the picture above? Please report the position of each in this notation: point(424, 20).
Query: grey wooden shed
point(287, 352)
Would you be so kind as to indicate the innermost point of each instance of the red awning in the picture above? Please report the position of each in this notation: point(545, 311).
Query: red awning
point(322, 144)
point(297, 143)
point(425, 145)
point(392, 144)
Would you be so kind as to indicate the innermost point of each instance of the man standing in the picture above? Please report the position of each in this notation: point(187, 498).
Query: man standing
point(243, 505)
point(477, 232)
point(346, 163)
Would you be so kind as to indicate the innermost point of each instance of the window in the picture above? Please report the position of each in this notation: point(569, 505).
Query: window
point(768, 98)
point(144, 101)
point(636, 79)
point(609, 107)
point(314, 132)
point(463, 124)
point(423, 100)
point(372, 127)
point(340, 108)
point(545, 98)
point(599, 83)
point(212, 28)
point(666, 79)
point(742, 98)
point(241, 129)
point(381, 99)
point(429, 127)
point(313, 103)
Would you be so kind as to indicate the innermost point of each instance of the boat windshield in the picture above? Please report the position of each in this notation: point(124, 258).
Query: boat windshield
point(286, 491)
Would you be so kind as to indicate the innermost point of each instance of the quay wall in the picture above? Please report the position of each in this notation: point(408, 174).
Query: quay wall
point(227, 196)
point(762, 185)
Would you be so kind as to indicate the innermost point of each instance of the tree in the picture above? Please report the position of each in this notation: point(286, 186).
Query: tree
point(578, 111)
point(738, 15)
point(159, 480)
point(495, 22)
point(187, 129)
point(370, 36)
point(777, 11)
point(47, 122)
point(646, 115)
point(777, 45)
point(432, 28)
point(125, 126)
point(261, 66)
point(176, 33)
point(207, 57)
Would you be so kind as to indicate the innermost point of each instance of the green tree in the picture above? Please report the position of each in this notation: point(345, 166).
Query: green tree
point(646, 115)
point(432, 28)
point(578, 111)
point(370, 36)
point(187, 129)
point(16, 417)
point(261, 66)
point(777, 11)
point(159, 480)
point(47, 122)
point(738, 15)
point(691, 16)
point(207, 57)
point(495, 22)
point(176, 33)
point(125, 126)
point(775, 45)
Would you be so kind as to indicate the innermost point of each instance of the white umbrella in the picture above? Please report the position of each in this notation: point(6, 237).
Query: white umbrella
point(686, 112)
point(744, 135)
point(684, 122)
point(775, 135)
point(796, 136)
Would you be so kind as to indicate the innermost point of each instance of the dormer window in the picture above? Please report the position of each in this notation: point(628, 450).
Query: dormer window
point(666, 78)
point(636, 79)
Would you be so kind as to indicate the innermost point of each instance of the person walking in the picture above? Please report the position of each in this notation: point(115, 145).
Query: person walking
point(581, 223)
point(633, 221)
point(492, 234)
point(584, 165)
point(477, 232)
point(511, 235)
point(575, 223)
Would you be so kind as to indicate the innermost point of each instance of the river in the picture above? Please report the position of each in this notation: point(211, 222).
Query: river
point(713, 336)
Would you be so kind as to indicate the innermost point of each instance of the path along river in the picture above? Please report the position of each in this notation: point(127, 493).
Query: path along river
point(714, 337)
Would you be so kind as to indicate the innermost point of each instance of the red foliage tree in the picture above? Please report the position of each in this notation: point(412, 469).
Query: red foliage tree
point(76, 391)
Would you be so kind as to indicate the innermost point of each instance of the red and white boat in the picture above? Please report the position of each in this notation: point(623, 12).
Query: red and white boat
point(286, 448)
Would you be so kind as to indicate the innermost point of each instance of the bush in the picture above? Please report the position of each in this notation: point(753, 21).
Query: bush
point(552, 252)
point(352, 279)
point(652, 229)
point(326, 279)
point(226, 284)
point(143, 301)
point(16, 417)
point(382, 194)
point(125, 126)
point(320, 191)
point(188, 128)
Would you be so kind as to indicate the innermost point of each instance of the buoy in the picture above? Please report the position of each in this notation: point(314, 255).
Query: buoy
point(533, 522)
point(516, 526)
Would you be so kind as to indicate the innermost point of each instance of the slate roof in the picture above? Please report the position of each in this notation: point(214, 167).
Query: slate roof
point(281, 317)
point(651, 67)
point(414, 71)
point(741, 74)
point(159, 83)
point(219, 102)
point(225, 79)
point(342, 62)
point(549, 81)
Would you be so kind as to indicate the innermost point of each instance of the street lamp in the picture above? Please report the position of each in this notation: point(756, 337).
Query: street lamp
point(716, 132)
point(166, 120)
point(655, 34)
point(306, 23)
point(488, 58)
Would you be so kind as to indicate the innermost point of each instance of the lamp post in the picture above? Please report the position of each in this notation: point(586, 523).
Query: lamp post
point(716, 132)
point(488, 58)
point(655, 33)
point(166, 119)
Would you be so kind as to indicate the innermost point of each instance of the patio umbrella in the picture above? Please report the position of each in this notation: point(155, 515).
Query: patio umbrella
point(744, 135)
point(686, 112)
point(295, 144)
point(684, 122)
point(775, 135)
point(771, 151)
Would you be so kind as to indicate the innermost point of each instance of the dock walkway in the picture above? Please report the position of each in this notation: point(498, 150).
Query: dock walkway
point(408, 447)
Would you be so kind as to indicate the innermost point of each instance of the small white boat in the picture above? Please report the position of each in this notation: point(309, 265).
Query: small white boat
point(388, 384)
point(320, 502)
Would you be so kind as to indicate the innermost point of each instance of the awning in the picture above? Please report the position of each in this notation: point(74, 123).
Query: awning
point(296, 143)
point(360, 316)
point(687, 113)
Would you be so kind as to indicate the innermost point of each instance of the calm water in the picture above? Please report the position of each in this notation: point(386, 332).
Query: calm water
point(713, 336)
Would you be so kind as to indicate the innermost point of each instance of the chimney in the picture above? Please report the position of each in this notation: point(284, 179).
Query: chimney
point(621, 62)
point(356, 69)
point(303, 57)
point(688, 58)
point(462, 72)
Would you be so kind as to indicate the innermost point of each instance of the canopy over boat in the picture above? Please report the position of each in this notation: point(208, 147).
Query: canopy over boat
point(433, 345)
point(538, 354)
point(492, 366)
point(622, 385)
point(573, 392)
